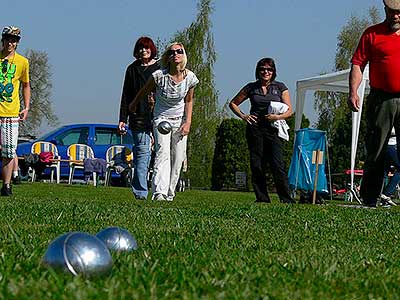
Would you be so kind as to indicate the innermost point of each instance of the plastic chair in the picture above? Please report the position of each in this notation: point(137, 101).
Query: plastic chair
point(76, 154)
point(118, 155)
point(41, 146)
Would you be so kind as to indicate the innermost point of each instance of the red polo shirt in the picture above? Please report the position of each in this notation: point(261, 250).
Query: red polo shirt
point(381, 48)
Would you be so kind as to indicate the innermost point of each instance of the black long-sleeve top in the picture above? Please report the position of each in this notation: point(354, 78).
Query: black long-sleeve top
point(136, 77)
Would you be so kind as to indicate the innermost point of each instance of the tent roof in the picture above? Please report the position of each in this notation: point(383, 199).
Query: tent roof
point(334, 82)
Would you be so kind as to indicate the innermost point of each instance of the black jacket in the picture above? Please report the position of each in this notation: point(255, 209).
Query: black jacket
point(136, 77)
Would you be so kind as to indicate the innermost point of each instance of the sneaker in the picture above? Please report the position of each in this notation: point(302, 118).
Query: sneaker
point(386, 201)
point(6, 190)
point(159, 197)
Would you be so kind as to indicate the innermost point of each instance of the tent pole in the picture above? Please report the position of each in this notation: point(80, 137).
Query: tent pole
point(329, 167)
point(356, 116)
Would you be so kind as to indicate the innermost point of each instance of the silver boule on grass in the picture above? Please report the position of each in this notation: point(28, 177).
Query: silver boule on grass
point(164, 127)
point(118, 239)
point(78, 253)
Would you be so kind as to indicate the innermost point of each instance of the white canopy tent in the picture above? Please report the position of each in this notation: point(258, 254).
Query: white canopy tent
point(334, 82)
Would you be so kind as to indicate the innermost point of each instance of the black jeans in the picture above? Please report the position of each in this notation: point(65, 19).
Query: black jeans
point(383, 112)
point(266, 148)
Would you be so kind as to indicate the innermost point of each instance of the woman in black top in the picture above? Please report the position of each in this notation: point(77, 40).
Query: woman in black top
point(140, 122)
point(262, 137)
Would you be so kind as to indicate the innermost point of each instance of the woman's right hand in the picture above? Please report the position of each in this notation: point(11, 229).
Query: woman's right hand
point(251, 119)
point(121, 128)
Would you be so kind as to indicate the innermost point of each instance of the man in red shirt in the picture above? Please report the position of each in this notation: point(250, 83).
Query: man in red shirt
point(380, 47)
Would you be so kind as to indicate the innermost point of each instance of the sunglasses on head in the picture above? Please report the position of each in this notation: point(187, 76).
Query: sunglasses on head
point(4, 65)
point(265, 69)
point(173, 52)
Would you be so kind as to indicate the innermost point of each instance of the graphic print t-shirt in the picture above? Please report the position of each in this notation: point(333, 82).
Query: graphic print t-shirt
point(16, 70)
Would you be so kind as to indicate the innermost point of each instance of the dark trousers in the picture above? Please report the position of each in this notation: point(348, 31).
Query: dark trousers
point(383, 112)
point(266, 148)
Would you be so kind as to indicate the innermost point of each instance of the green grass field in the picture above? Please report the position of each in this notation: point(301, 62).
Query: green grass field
point(204, 245)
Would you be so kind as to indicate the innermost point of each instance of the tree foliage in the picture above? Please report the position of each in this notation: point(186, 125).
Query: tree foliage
point(334, 116)
point(231, 154)
point(199, 44)
point(41, 104)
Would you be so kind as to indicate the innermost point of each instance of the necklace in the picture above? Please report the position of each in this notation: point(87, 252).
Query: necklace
point(147, 64)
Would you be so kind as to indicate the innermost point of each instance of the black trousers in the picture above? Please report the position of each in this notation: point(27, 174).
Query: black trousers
point(265, 148)
point(383, 112)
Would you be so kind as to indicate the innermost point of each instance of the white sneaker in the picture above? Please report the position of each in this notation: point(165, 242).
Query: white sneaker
point(385, 200)
point(159, 197)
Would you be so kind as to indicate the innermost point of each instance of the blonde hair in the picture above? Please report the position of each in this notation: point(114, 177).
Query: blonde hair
point(165, 57)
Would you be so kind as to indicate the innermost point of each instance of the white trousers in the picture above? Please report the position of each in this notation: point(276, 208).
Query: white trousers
point(170, 153)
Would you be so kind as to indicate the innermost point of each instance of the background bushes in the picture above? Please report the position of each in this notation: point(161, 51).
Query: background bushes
point(230, 154)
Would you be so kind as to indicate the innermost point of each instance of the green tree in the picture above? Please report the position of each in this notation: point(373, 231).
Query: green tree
point(41, 104)
point(199, 44)
point(334, 116)
point(231, 154)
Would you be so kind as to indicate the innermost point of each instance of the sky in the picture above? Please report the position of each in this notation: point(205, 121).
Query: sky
point(89, 43)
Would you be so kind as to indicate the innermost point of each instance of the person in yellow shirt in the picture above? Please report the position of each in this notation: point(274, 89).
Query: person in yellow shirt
point(14, 72)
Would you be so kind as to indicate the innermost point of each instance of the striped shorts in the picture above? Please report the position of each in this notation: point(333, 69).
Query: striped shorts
point(9, 136)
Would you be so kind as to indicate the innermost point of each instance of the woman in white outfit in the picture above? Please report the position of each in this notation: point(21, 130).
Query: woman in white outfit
point(174, 86)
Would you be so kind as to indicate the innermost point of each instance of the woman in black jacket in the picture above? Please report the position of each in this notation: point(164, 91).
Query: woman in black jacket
point(140, 121)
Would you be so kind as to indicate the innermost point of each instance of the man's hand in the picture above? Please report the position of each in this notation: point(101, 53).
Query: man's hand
point(23, 114)
point(354, 102)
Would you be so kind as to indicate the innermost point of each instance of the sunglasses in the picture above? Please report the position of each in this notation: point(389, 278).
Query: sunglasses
point(392, 11)
point(173, 52)
point(4, 65)
point(265, 69)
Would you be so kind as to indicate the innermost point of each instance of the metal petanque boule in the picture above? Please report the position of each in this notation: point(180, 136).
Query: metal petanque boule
point(164, 127)
point(117, 239)
point(78, 253)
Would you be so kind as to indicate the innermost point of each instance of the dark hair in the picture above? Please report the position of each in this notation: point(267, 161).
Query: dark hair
point(266, 61)
point(145, 42)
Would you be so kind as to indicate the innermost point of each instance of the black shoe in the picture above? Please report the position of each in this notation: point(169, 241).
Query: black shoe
point(370, 204)
point(16, 180)
point(6, 190)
